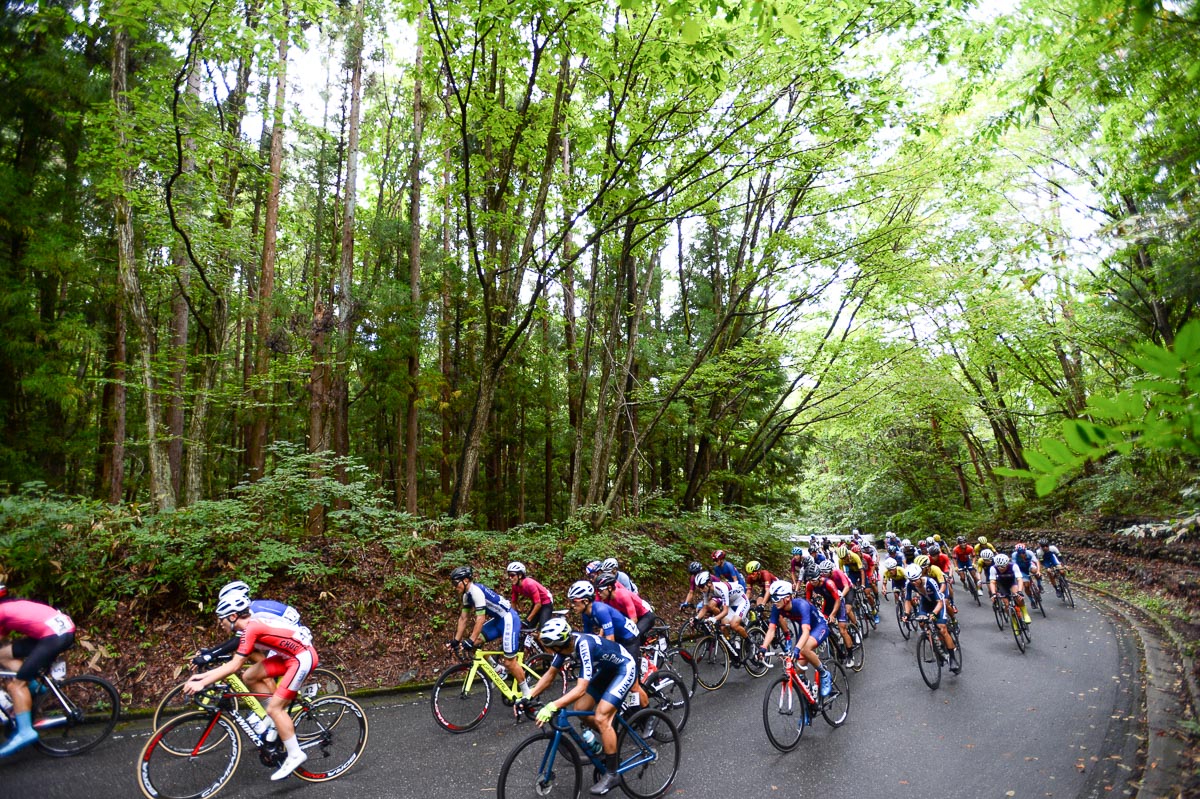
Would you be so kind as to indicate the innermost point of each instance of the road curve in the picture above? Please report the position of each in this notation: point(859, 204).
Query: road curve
point(1062, 720)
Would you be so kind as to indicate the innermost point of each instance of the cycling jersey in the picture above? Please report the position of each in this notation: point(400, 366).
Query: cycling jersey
point(607, 620)
point(630, 604)
point(801, 613)
point(727, 571)
point(1025, 561)
point(762, 578)
point(732, 596)
point(828, 593)
point(852, 563)
point(273, 608)
point(606, 665)
point(293, 656)
point(1006, 577)
point(928, 596)
point(1050, 557)
point(942, 562)
point(796, 565)
point(33, 619)
point(963, 554)
point(503, 622)
point(485, 600)
point(532, 590)
point(895, 575)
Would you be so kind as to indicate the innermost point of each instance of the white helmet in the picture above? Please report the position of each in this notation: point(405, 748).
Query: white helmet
point(780, 589)
point(912, 571)
point(987, 556)
point(1001, 561)
point(889, 564)
point(232, 603)
point(516, 567)
point(236, 587)
point(609, 565)
point(702, 579)
point(581, 589)
point(555, 632)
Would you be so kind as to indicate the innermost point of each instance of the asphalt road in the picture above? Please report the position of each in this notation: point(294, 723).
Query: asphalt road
point(1058, 721)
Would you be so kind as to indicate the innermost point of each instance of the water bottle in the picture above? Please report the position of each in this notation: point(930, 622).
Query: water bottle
point(5, 702)
point(262, 725)
point(594, 744)
point(272, 735)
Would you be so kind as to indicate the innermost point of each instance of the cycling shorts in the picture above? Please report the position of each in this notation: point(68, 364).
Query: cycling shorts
point(612, 682)
point(736, 612)
point(37, 654)
point(290, 672)
point(508, 629)
point(940, 617)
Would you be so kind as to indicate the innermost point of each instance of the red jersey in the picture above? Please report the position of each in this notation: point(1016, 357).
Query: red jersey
point(532, 590)
point(276, 635)
point(630, 604)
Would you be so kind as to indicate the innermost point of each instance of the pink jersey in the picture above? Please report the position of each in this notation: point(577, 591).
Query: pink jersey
point(276, 635)
point(840, 579)
point(630, 604)
point(532, 590)
point(33, 619)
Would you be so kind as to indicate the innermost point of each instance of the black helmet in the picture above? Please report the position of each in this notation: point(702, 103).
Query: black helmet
point(606, 580)
point(811, 572)
point(695, 567)
point(462, 573)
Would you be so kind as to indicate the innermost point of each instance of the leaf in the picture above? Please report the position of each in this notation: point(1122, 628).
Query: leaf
point(1046, 483)
point(690, 31)
point(1058, 451)
point(791, 26)
point(1187, 340)
point(1038, 462)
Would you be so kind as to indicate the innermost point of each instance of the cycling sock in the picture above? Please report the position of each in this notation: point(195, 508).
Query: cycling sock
point(25, 721)
point(525, 688)
point(292, 745)
point(612, 763)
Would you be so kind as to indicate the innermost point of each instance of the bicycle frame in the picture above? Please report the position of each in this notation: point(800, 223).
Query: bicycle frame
point(52, 686)
point(482, 663)
point(561, 724)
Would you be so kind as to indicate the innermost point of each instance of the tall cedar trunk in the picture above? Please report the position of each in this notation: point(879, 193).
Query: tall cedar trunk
point(345, 296)
point(160, 468)
point(445, 470)
point(112, 470)
point(548, 434)
point(574, 379)
point(256, 446)
point(414, 278)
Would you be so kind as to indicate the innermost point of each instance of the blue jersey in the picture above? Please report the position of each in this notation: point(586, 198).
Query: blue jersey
point(801, 612)
point(273, 608)
point(485, 600)
point(1023, 560)
point(931, 596)
point(728, 572)
point(607, 620)
point(595, 654)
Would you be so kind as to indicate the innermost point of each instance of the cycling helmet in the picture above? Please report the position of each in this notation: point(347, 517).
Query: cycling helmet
point(1043, 542)
point(695, 567)
point(962, 539)
point(906, 543)
point(780, 589)
point(591, 568)
point(893, 549)
point(555, 632)
point(236, 587)
point(843, 551)
point(1020, 547)
point(462, 573)
point(826, 567)
point(1001, 561)
point(922, 561)
point(808, 560)
point(912, 572)
point(753, 565)
point(981, 540)
point(233, 603)
point(987, 555)
point(937, 537)
point(889, 564)
point(609, 565)
point(797, 550)
point(811, 573)
point(718, 554)
point(870, 550)
point(606, 581)
point(516, 567)
point(581, 589)
point(935, 549)
point(703, 579)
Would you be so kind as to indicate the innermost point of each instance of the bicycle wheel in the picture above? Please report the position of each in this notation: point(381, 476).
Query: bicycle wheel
point(1041, 601)
point(755, 667)
point(785, 714)
point(648, 751)
point(858, 654)
point(976, 591)
point(668, 694)
point(322, 682)
point(682, 663)
point(928, 660)
point(331, 752)
point(538, 665)
point(1015, 624)
point(905, 629)
point(836, 707)
point(456, 707)
point(1000, 610)
point(209, 765)
point(522, 776)
point(684, 631)
point(89, 715)
point(711, 661)
point(1068, 597)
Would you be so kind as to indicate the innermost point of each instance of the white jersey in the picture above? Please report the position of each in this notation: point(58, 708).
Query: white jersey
point(729, 594)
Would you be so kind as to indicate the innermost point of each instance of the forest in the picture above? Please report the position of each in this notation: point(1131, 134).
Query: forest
point(903, 265)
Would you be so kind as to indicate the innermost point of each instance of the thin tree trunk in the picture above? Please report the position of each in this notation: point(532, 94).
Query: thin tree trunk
point(112, 478)
point(414, 278)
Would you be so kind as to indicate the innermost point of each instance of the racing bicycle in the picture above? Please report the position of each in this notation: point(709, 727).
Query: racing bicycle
point(70, 714)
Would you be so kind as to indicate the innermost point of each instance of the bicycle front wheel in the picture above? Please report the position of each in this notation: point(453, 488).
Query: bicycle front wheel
point(1016, 623)
point(836, 707)
point(668, 694)
point(785, 714)
point(648, 751)
point(928, 661)
point(457, 707)
point(331, 753)
point(712, 662)
point(87, 717)
point(213, 751)
point(681, 662)
point(905, 630)
point(529, 773)
point(857, 656)
point(1068, 597)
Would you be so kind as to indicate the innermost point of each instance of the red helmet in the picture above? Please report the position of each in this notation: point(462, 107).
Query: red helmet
point(855, 548)
point(720, 553)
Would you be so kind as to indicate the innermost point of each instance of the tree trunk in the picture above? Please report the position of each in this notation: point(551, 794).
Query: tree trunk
point(112, 470)
point(414, 278)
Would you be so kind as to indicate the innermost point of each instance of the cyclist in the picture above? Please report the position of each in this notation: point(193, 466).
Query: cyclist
point(964, 556)
point(797, 564)
point(894, 572)
point(606, 621)
point(922, 593)
point(45, 634)
point(942, 561)
point(1005, 579)
point(938, 576)
point(1027, 562)
point(1052, 561)
point(724, 570)
point(610, 566)
point(833, 591)
point(494, 618)
point(541, 601)
point(292, 658)
point(606, 673)
point(727, 600)
point(694, 568)
point(813, 629)
point(632, 606)
point(856, 570)
point(758, 577)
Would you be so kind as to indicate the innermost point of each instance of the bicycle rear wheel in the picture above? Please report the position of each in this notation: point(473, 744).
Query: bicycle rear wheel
point(527, 773)
point(785, 714)
point(668, 694)
point(928, 660)
point(712, 662)
point(538, 665)
point(331, 753)
point(682, 663)
point(213, 751)
point(754, 666)
point(456, 707)
point(89, 715)
point(836, 707)
point(648, 751)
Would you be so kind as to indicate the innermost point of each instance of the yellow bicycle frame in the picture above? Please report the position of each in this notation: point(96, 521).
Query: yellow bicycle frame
point(482, 663)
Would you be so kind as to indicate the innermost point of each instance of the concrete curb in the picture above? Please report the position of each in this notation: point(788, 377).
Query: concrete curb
point(1169, 696)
